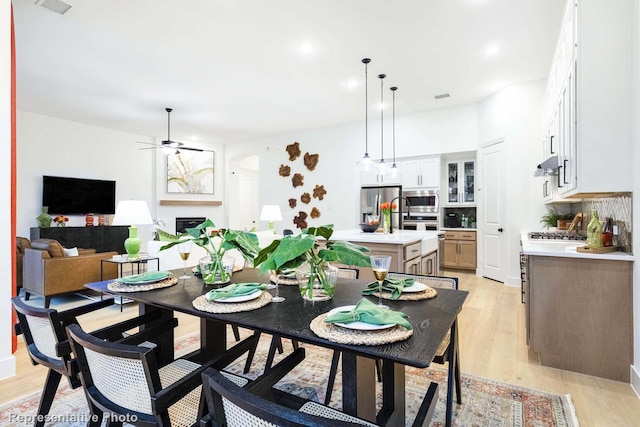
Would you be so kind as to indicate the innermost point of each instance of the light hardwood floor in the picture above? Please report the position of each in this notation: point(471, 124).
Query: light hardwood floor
point(492, 345)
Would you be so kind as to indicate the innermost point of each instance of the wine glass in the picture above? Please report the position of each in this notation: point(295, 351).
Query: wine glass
point(185, 250)
point(278, 276)
point(380, 265)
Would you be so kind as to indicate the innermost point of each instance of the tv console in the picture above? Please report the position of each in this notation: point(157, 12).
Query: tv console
point(101, 238)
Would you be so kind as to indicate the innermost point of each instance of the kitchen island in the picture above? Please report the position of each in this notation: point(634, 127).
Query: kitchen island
point(578, 311)
point(411, 251)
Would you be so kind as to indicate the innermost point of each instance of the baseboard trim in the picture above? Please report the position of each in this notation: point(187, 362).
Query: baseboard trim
point(7, 367)
point(635, 381)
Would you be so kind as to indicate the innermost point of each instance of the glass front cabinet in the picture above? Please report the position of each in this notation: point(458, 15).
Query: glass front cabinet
point(461, 180)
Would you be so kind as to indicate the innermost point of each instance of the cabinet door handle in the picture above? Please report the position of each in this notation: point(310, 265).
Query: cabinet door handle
point(552, 152)
point(559, 185)
point(544, 189)
point(500, 230)
point(430, 267)
point(564, 171)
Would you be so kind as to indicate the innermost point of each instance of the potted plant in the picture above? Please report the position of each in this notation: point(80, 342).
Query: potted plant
point(316, 279)
point(216, 241)
point(554, 218)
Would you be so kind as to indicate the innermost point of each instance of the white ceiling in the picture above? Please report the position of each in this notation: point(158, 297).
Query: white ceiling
point(233, 70)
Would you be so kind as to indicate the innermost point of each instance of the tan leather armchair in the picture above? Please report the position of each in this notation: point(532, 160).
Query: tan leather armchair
point(22, 243)
point(48, 271)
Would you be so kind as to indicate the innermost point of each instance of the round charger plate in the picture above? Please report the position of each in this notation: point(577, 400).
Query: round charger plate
point(241, 298)
point(358, 326)
point(416, 287)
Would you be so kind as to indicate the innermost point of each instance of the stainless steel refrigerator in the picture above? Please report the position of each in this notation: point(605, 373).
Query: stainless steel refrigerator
point(371, 197)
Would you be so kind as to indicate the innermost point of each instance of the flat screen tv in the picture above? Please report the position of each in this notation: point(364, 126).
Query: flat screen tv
point(70, 196)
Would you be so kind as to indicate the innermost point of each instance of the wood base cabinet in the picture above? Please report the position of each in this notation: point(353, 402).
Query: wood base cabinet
point(580, 315)
point(460, 249)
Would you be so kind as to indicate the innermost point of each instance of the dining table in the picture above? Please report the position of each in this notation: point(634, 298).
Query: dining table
point(431, 320)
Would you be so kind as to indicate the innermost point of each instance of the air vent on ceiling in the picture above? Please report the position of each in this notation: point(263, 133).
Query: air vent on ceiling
point(442, 95)
point(56, 6)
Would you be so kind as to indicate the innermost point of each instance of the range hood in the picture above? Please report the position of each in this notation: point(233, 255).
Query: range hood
point(548, 167)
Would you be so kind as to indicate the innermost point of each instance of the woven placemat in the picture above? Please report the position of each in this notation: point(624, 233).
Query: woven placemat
point(342, 335)
point(293, 281)
point(203, 304)
point(124, 287)
point(410, 296)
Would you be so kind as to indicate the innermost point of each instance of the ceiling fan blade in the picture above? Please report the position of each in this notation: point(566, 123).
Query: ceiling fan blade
point(148, 143)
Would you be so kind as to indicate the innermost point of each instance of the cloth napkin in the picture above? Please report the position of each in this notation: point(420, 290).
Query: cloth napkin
point(234, 290)
point(149, 276)
point(395, 286)
point(367, 312)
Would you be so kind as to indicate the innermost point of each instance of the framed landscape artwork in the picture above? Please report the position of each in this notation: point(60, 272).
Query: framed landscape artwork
point(190, 172)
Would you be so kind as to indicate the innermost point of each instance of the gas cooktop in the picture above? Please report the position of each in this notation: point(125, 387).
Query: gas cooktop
point(554, 235)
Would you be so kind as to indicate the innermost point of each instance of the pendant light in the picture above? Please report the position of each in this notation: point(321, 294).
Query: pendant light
point(394, 171)
point(382, 167)
point(366, 162)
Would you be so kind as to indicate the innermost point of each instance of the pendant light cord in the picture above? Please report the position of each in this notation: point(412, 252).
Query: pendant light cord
point(393, 123)
point(366, 62)
point(381, 77)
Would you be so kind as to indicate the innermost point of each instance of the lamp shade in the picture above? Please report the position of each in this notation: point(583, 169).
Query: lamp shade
point(270, 213)
point(132, 212)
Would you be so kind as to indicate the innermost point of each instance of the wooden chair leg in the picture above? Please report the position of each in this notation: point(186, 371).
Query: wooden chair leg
point(332, 375)
point(95, 417)
point(379, 369)
point(48, 393)
point(276, 343)
point(27, 295)
point(456, 374)
point(236, 332)
point(252, 353)
point(47, 302)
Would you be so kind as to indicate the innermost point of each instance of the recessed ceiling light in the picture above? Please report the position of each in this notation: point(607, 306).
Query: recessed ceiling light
point(351, 84)
point(306, 48)
point(442, 95)
point(381, 106)
point(491, 50)
point(194, 137)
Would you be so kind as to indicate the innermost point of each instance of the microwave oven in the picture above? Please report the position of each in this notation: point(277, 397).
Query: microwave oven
point(417, 202)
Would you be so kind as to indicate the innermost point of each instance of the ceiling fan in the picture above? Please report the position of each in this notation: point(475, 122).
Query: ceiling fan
point(169, 145)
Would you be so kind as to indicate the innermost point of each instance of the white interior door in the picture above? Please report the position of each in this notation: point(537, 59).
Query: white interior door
point(494, 236)
point(248, 203)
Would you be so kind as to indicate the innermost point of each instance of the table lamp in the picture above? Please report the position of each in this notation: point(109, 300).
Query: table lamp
point(271, 213)
point(132, 213)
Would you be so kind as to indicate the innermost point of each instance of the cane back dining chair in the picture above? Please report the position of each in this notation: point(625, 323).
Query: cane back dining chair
point(232, 406)
point(46, 342)
point(441, 354)
point(126, 380)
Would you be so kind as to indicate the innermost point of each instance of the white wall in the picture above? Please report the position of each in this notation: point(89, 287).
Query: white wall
point(52, 146)
point(514, 115)
point(431, 132)
point(635, 160)
point(7, 361)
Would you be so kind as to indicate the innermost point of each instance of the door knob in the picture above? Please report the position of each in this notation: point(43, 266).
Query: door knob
point(500, 229)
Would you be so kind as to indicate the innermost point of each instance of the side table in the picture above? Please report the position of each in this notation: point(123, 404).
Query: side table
point(141, 263)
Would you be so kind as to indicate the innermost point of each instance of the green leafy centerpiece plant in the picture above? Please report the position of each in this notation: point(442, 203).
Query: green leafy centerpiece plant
point(316, 277)
point(216, 241)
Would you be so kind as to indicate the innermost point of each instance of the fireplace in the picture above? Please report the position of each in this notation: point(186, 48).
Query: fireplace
point(188, 222)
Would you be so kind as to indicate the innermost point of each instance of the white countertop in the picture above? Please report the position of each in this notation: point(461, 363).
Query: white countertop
point(566, 249)
point(429, 238)
point(458, 229)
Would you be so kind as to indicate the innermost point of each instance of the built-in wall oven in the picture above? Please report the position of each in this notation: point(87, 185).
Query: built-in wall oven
point(421, 210)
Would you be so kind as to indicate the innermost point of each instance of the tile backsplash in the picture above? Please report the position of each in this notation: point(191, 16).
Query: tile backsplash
point(618, 207)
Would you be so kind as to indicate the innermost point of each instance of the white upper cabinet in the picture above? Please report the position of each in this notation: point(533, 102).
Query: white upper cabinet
point(374, 177)
point(421, 173)
point(588, 101)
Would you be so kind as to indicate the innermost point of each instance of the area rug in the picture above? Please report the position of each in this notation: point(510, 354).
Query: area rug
point(485, 402)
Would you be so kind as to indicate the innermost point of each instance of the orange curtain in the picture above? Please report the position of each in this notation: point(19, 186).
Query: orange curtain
point(14, 341)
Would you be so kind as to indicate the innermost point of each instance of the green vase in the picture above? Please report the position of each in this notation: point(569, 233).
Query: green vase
point(44, 220)
point(594, 231)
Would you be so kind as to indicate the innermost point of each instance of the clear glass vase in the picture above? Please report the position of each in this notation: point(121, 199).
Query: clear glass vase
point(216, 270)
point(317, 281)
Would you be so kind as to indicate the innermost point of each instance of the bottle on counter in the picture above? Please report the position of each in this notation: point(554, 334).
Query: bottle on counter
point(607, 233)
point(594, 231)
point(463, 221)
